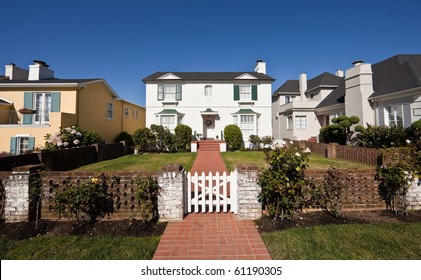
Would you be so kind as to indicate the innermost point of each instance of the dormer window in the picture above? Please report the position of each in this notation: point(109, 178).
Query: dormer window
point(169, 92)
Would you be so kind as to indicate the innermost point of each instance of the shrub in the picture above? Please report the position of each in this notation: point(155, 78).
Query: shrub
point(183, 136)
point(267, 141)
point(233, 137)
point(165, 140)
point(332, 134)
point(395, 178)
point(255, 141)
point(144, 140)
point(85, 201)
point(381, 137)
point(147, 195)
point(123, 136)
point(283, 182)
point(70, 137)
point(329, 193)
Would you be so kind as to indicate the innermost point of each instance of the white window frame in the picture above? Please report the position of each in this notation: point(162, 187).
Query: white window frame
point(290, 125)
point(386, 112)
point(289, 98)
point(169, 125)
point(126, 112)
point(42, 116)
point(300, 122)
point(110, 110)
point(169, 95)
point(244, 92)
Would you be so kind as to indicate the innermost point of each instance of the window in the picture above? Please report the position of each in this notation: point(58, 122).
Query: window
point(168, 121)
point(126, 112)
point(169, 92)
point(289, 122)
point(208, 90)
point(135, 114)
point(110, 111)
point(247, 125)
point(42, 103)
point(245, 92)
point(398, 114)
point(21, 144)
point(289, 99)
point(301, 122)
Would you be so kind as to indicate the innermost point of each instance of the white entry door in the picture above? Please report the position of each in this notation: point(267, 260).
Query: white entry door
point(209, 127)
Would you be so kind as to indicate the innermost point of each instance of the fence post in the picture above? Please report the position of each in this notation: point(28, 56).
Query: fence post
point(171, 201)
point(21, 194)
point(331, 150)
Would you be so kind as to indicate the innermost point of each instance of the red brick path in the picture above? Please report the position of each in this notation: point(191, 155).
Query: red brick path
point(211, 236)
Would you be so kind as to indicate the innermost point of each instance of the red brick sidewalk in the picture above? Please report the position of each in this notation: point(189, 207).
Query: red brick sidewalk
point(211, 236)
point(208, 161)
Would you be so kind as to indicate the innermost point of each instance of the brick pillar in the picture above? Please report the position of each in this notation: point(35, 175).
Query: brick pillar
point(331, 150)
point(247, 192)
point(21, 189)
point(171, 180)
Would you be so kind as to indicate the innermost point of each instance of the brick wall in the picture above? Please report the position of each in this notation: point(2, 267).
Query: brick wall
point(124, 191)
point(362, 192)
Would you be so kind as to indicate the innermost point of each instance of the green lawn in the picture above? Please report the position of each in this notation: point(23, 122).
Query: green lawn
point(394, 241)
point(232, 159)
point(79, 248)
point(146, 162)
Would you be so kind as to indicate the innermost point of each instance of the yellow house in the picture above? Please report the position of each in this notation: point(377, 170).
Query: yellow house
point(34, 103)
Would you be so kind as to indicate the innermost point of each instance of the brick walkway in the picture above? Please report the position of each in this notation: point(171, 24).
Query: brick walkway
point(211, 236)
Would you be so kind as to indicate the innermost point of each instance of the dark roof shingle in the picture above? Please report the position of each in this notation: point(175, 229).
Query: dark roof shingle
point(208, 76)
point(49, 81)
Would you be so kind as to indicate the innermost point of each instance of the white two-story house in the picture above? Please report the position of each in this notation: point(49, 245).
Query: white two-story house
point(209, 101)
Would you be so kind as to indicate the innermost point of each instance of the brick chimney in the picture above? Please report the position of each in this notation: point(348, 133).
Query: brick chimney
point(40, 71)
point(15, 73)
point(358, 87)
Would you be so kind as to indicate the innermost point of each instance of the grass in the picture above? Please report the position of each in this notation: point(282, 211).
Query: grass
point(394, 241)
point(79, 248)
point(233, 159)
point(146, 162)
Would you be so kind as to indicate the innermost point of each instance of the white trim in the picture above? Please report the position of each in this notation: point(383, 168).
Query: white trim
point(246, 76)
point(169, 76)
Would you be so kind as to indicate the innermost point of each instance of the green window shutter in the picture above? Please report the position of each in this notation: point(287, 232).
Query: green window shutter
point(236, 92)
point(254, 92)
point(178, 93)
point(13, 145)
point(27, 103)
point(160, 92)
point(55, 102)
point(31, 143)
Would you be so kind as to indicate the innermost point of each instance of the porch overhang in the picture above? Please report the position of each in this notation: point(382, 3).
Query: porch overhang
point(209, 112)
point(170, 112)
point(246, 112)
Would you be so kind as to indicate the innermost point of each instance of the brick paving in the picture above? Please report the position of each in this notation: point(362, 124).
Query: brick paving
point(211, 236)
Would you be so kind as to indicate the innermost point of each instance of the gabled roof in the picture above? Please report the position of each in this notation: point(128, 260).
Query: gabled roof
point(397, 73)
point(48, 81)
point(394, 74)
point(324, 79)
point(290, 86)
point(337, 96)
point(208, 76)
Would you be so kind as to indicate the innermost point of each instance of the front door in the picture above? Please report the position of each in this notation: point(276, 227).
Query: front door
point(209, 127)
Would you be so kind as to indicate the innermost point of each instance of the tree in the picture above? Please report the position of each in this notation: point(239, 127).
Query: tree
point(341, 128)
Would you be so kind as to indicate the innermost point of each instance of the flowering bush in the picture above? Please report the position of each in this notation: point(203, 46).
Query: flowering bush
point(85, 201)
point(283, 182)
point(70, 137)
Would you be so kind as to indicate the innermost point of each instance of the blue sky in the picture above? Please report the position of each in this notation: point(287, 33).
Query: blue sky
point(125, 41)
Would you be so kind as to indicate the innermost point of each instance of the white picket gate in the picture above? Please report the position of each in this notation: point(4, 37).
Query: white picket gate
point(209, 193)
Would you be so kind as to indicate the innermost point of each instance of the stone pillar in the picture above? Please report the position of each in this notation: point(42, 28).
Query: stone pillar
point(413, 196)
point(21, 189)
point(171, 180)
point(248, 191)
